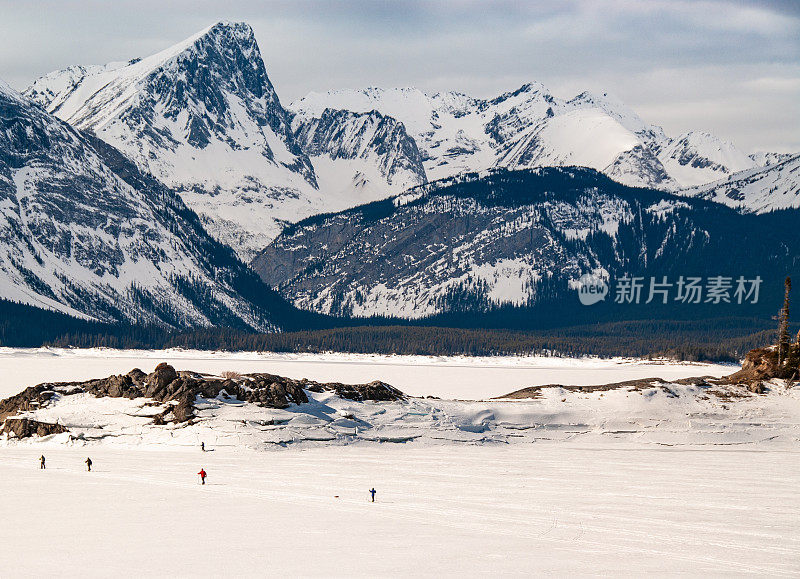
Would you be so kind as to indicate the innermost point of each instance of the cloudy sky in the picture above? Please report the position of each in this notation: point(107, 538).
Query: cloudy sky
point(725, 66)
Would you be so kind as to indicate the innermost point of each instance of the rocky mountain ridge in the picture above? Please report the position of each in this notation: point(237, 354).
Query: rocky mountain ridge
point(760, 190)
point(530, 127)
point(86, 233)
point(204, 118)
point(515, 239)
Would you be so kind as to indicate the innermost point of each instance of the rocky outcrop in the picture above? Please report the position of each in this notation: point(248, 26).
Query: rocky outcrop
point(376, 390)
point(179, 390)
point(31, 398)
point(25, 428)
point(759, 364)
point(629, 385)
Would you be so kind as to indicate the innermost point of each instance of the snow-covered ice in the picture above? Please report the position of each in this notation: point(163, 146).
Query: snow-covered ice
point(441, 511)
point(458, 377)
point(661, 480)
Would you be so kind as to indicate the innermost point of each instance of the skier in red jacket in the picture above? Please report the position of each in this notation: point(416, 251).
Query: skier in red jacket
point(203, 475)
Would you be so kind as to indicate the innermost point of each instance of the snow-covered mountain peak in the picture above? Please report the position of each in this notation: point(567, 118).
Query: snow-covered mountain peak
point(696, 158)
point(526, 127)
point(112, 86)
point(84, 232)
point(759, 189)
point(204, 118)
point(617, 109)
point(530, 127)
point(415, 108)
point(526, 91)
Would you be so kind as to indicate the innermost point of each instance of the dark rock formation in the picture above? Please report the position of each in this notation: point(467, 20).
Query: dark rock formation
point(758, 364)
point(25, 427)
point(376, 390)
point(29, 399)
point(180, 389)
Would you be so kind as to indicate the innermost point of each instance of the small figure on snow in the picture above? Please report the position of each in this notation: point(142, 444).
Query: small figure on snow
point(203, 475)
point(372, 492)
point(88, 462)
point(203, 446)
point(41, 463)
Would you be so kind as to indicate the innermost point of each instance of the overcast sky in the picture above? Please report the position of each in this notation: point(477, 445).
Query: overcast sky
point(728, 67)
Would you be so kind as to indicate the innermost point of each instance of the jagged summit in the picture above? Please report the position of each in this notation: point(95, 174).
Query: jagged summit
point(84, 232)
point(531, 127)
point(71, 92)
point(696, 157)
point(204, 118)
point(759, 189)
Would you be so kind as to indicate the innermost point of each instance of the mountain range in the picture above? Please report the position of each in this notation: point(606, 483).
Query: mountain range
point(203, 117)
point(130, 186)
point(84, 232)
point(479, 243)
point(530, 127)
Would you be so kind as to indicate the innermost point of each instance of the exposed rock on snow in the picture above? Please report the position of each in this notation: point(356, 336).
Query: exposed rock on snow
point(178, 391)
point(204, 118)
point(370, 140)
point(530, 127)
point(25, 428)
point(762, 364)
point(757, 190)
point(376, 390)
point(261, 410)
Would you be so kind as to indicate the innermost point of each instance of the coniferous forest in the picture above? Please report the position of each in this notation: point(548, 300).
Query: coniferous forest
point(723, 339)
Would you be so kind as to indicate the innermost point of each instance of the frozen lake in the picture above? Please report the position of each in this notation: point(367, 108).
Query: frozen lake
point(621, 483)
point(447, 377)
point(535, 509)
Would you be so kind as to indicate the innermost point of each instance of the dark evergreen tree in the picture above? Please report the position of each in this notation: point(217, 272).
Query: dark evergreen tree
point(784, 341)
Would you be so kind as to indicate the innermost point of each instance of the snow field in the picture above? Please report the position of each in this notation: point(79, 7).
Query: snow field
point(446, 511)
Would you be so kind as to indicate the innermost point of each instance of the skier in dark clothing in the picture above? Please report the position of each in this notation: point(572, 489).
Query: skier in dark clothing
point(88, 464)
point(372, 492)
point(41, 463)
point(203, 446)
point(203, 476)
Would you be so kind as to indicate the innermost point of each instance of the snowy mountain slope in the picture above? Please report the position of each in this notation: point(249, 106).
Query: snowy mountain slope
point(85, 233)
point(696, 158)
point(765, 159)
point(529, 127)
point(204, 118)
point(361, 144)
point(517, 239)
point(450, 139)
point(758, 190)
